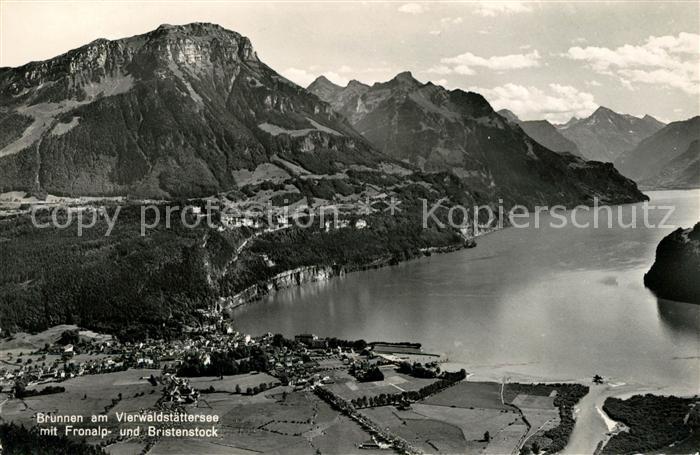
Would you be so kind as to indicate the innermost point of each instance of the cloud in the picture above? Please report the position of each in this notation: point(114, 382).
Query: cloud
point(439, 69)
point(412, 8)
point(435, 32)
point(451, 20)
point(670, 61)
point(465, 62)
point(442, 82)
point(464, 70)
point(593, 83)
point(304, 77)
point(492, 9)
point(557, 104)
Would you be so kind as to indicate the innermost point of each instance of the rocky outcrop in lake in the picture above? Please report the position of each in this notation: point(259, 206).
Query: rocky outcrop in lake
point(675, 272)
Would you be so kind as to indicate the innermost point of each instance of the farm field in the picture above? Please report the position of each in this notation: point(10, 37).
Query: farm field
point(125, 448)
point(445, 429)
point(88, 395)
point(229, 383)
point(485, 395)
point(347, 387)
point(281, 422)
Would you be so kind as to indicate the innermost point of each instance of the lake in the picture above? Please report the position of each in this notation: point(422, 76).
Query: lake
point(554, 303)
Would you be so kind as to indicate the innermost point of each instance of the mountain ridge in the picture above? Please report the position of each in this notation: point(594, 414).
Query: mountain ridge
point(606, 134)
point(175, 111)
point(650, 159)
point(435, 129)
point(543, 132)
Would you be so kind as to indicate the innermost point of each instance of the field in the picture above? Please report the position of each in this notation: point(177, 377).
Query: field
point(229, 383)
point(457, 419)
point(485, 395)
point(348, 388)
point(277, 421)
point(548, 408)
point(87, 395)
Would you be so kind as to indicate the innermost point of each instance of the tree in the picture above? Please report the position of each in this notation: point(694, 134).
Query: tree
point(597, 379)
point(535, 448)
point(487, 436)
point(238, 388)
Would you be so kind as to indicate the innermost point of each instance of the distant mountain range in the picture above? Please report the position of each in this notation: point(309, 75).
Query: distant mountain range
point(543, 132)
point(190, 110)
point(668, 159)
point(436, 129)
point(605, 134)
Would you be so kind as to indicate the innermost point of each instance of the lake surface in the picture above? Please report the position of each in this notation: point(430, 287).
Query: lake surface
point(554, 303)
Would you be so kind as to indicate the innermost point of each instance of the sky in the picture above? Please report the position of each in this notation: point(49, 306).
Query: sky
point(545, 59)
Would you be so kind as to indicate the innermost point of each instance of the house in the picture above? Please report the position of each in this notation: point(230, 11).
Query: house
point(360, 224)
point(306, 338)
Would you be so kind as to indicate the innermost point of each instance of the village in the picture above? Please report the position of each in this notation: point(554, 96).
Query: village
point(265, 392)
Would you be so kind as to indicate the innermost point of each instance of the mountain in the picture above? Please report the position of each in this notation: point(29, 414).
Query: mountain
point(675, 272)
point(543, 132)
point(190, 110)
point(436, 129)
point(324, 88)
point(509, 115)
point(183, 110)
point(663, 156)
point(606, 134)
point(680, 173)
point(547, 134)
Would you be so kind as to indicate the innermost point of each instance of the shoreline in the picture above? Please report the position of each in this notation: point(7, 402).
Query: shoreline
point(301, 276)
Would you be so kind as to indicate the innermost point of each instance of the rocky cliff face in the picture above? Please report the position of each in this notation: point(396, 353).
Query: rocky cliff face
point(675, 272)
point(606, 134)
point(437, 129)
point(176, 111)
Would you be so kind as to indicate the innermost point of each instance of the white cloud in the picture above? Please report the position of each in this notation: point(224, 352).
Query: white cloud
point(442, 82)
point(670, 61)
point(593, 83)
point(494, 8)
point(451, 20)
point(412, 8)
point(439, 69)
point(467, 61)
point(304, 77)
point(557, 104)
point(435, 32)
point(464, 70)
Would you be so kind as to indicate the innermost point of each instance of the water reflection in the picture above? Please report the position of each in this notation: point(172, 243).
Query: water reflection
point(679, 317)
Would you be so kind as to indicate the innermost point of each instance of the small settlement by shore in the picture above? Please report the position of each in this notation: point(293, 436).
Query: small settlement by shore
point(217, 390)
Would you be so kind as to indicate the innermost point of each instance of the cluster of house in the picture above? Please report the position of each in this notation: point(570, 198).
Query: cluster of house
point(292, 363)
point(178, 390)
